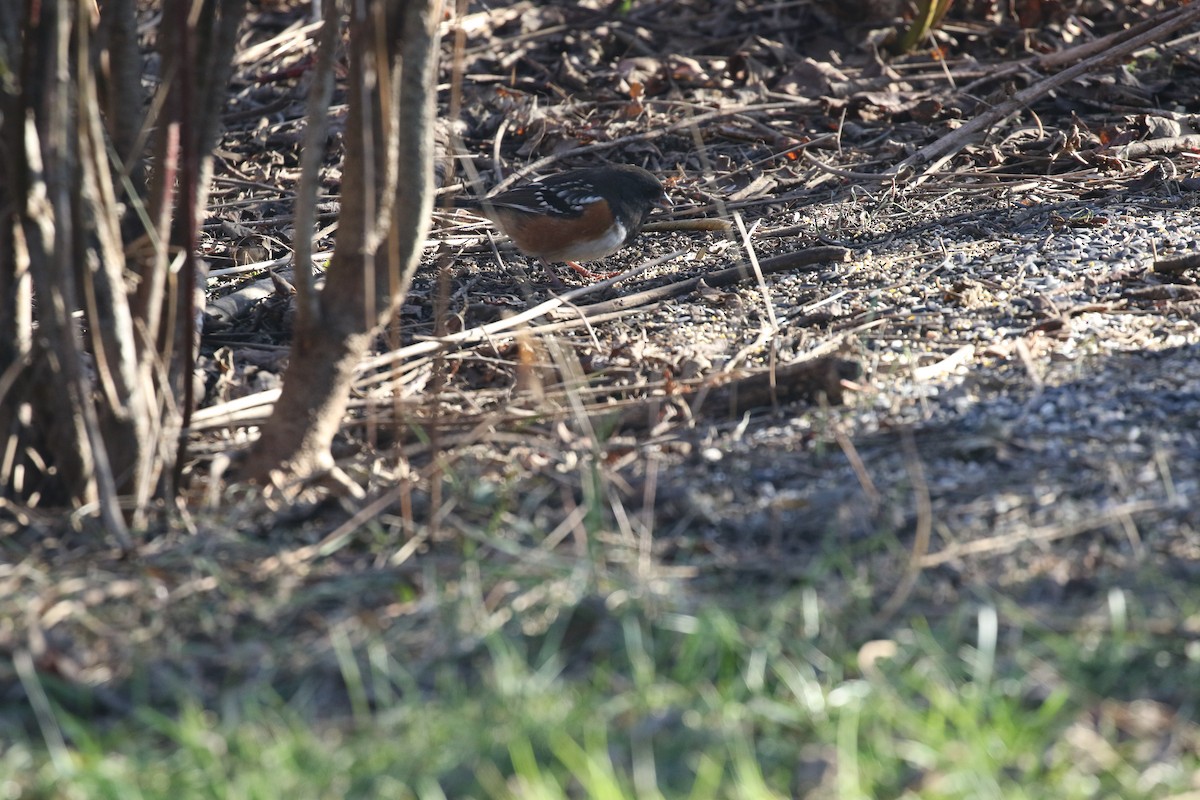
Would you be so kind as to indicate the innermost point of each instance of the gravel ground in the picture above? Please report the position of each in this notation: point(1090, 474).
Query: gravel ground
point(1048, 385)
point(1028, 391)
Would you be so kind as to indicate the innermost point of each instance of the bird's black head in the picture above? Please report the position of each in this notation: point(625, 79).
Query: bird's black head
point(641, 188)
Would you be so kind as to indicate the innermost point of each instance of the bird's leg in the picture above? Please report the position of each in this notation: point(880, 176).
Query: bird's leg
point(552, 276)
point(593, 276)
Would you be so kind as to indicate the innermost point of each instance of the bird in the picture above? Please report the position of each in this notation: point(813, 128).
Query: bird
point(576, 215)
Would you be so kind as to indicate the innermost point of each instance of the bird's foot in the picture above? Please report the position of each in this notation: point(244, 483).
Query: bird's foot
point(593, 276)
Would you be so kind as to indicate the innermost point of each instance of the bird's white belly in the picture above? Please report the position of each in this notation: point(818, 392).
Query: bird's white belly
point(591, 249)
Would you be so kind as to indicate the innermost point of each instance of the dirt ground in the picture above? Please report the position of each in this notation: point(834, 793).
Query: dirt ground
point(1014, 406)
point(1024, 385)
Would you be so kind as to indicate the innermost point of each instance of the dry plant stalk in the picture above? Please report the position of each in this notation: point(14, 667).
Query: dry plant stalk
point(89, 378)
point(389, 132)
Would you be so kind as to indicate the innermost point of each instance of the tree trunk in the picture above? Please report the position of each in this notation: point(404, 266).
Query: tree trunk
point(387, 198)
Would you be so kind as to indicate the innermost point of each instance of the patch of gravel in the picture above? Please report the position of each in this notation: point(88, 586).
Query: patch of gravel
point(1075, 415)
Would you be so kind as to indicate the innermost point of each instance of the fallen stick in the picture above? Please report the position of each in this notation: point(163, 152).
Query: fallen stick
point(809, 258)
point(935, 154)
point(807, 380)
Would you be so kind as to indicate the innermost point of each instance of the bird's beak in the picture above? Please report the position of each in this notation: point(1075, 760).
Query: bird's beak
point(664, 203)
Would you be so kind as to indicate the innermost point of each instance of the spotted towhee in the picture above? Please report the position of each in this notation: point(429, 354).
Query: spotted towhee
point(579, 215)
